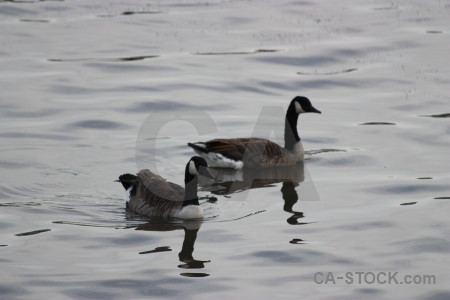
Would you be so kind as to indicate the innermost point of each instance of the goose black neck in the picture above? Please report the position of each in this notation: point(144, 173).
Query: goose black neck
point(190, 192)
point(291, 136)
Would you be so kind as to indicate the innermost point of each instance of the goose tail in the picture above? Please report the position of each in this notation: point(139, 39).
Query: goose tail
point(199, 147)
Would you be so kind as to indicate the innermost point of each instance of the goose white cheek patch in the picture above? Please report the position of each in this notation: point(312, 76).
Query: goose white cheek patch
point(298, 108)
point(128, 193)
point(192, 168)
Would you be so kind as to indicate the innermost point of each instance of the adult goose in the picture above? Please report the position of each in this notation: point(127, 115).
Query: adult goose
point(151, 195)
point(257, 152)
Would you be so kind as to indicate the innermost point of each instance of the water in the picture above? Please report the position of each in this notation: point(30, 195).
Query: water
point(82, 84)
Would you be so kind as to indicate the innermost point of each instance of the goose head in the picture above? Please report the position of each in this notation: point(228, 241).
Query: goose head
point(303, 105)
point(197, 165)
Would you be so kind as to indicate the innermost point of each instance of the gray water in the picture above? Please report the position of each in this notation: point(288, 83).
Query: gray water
point(82, 83)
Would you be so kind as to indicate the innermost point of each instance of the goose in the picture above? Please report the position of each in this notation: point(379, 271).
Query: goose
point(237, 153)
point(151, 195)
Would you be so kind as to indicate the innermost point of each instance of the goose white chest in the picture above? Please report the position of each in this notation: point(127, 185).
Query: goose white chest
point(190, 212)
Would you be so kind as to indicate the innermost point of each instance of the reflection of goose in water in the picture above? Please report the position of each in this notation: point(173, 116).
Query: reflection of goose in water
point(185, 256)
point(290, 197)
point(229, 181)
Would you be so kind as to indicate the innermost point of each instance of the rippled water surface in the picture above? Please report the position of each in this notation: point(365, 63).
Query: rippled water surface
point(94, 89)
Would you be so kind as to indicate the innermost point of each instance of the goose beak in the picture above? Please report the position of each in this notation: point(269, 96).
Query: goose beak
point(315, 110)
point(205, 172)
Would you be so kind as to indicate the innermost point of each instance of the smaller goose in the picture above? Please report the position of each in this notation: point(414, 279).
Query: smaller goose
point(151, 195)
point(256, 152)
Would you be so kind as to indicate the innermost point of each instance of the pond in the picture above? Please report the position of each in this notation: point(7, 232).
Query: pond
point(94, 89)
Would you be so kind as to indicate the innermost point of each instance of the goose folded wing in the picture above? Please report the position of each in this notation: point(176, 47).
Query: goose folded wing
point(253, 151)
point(157, 192)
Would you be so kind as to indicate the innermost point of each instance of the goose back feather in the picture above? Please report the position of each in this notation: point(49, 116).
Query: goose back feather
point(154, 196)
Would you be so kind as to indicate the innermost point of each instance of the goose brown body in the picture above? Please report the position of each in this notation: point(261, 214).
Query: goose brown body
point(254, 152)
point(154, 196)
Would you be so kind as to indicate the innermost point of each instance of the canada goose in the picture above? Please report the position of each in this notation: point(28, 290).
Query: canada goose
point(151, 195)
point(257, 152)
point(191, 228)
